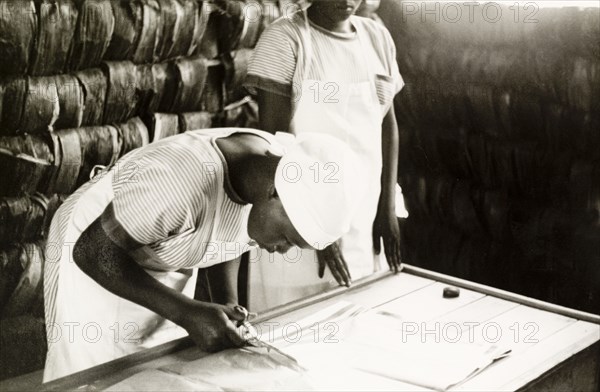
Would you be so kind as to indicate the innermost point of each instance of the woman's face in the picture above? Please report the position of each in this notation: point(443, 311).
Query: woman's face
point(270, 227)
point(336, 10)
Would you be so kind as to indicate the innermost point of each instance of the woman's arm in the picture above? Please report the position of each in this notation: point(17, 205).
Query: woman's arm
point(386, 223)
point(111, 267)
point(223, 282)
point(390, 150)
point(275, 112)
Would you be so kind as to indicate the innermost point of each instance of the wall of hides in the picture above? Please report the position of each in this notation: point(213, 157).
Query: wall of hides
point(500, 144)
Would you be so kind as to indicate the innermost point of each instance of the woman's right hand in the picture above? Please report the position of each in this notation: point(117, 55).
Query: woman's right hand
point(212, 326)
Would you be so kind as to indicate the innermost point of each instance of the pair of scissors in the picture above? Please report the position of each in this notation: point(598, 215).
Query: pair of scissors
point(250, 335)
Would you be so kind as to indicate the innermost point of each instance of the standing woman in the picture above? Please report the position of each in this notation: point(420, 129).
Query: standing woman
point(323, 69)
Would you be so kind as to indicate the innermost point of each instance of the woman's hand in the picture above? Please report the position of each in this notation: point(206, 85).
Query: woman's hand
point(212, 326)
point(386, 227)
point(333, 258)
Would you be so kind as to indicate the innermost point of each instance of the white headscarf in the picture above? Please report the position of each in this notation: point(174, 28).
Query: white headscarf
point(320, 182)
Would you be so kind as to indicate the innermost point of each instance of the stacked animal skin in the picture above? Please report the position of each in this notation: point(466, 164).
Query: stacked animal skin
point(500, 157)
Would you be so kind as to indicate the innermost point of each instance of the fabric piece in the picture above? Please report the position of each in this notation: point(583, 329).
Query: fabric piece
point(375, 343)
point(365, 352)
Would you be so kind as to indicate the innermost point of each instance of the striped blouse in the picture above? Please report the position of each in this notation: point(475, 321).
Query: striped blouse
point(170, 204)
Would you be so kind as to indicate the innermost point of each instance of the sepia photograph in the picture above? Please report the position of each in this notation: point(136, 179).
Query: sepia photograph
point(299, 195)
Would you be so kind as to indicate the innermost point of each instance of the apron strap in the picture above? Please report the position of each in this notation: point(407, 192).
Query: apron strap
point(308, 44)
point(362, 34)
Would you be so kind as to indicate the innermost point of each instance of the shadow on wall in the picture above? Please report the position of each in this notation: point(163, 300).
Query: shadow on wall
point(500, 157)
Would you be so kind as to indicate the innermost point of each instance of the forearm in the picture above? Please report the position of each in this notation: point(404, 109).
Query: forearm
point(390, 153)
point(223, 281)
point(116, 271)
point(275, 112)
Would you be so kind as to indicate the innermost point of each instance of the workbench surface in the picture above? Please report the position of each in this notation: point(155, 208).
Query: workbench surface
point(552, 347)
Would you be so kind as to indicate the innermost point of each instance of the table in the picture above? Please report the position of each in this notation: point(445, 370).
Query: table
point(554, 348)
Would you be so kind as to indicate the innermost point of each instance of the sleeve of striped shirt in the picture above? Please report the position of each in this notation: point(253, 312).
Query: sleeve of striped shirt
point(149, 205)
point(273, 62)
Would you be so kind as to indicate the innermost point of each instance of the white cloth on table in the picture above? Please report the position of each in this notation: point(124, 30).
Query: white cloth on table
point(366, 352)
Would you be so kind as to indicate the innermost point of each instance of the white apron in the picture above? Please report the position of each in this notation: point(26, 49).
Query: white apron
point(352, 114)
point(91, 325)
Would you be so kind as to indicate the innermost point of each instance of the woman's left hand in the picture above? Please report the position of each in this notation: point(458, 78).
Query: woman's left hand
point(386, 227)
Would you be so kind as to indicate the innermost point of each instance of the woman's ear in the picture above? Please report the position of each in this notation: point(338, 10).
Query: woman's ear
point(273, 192)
